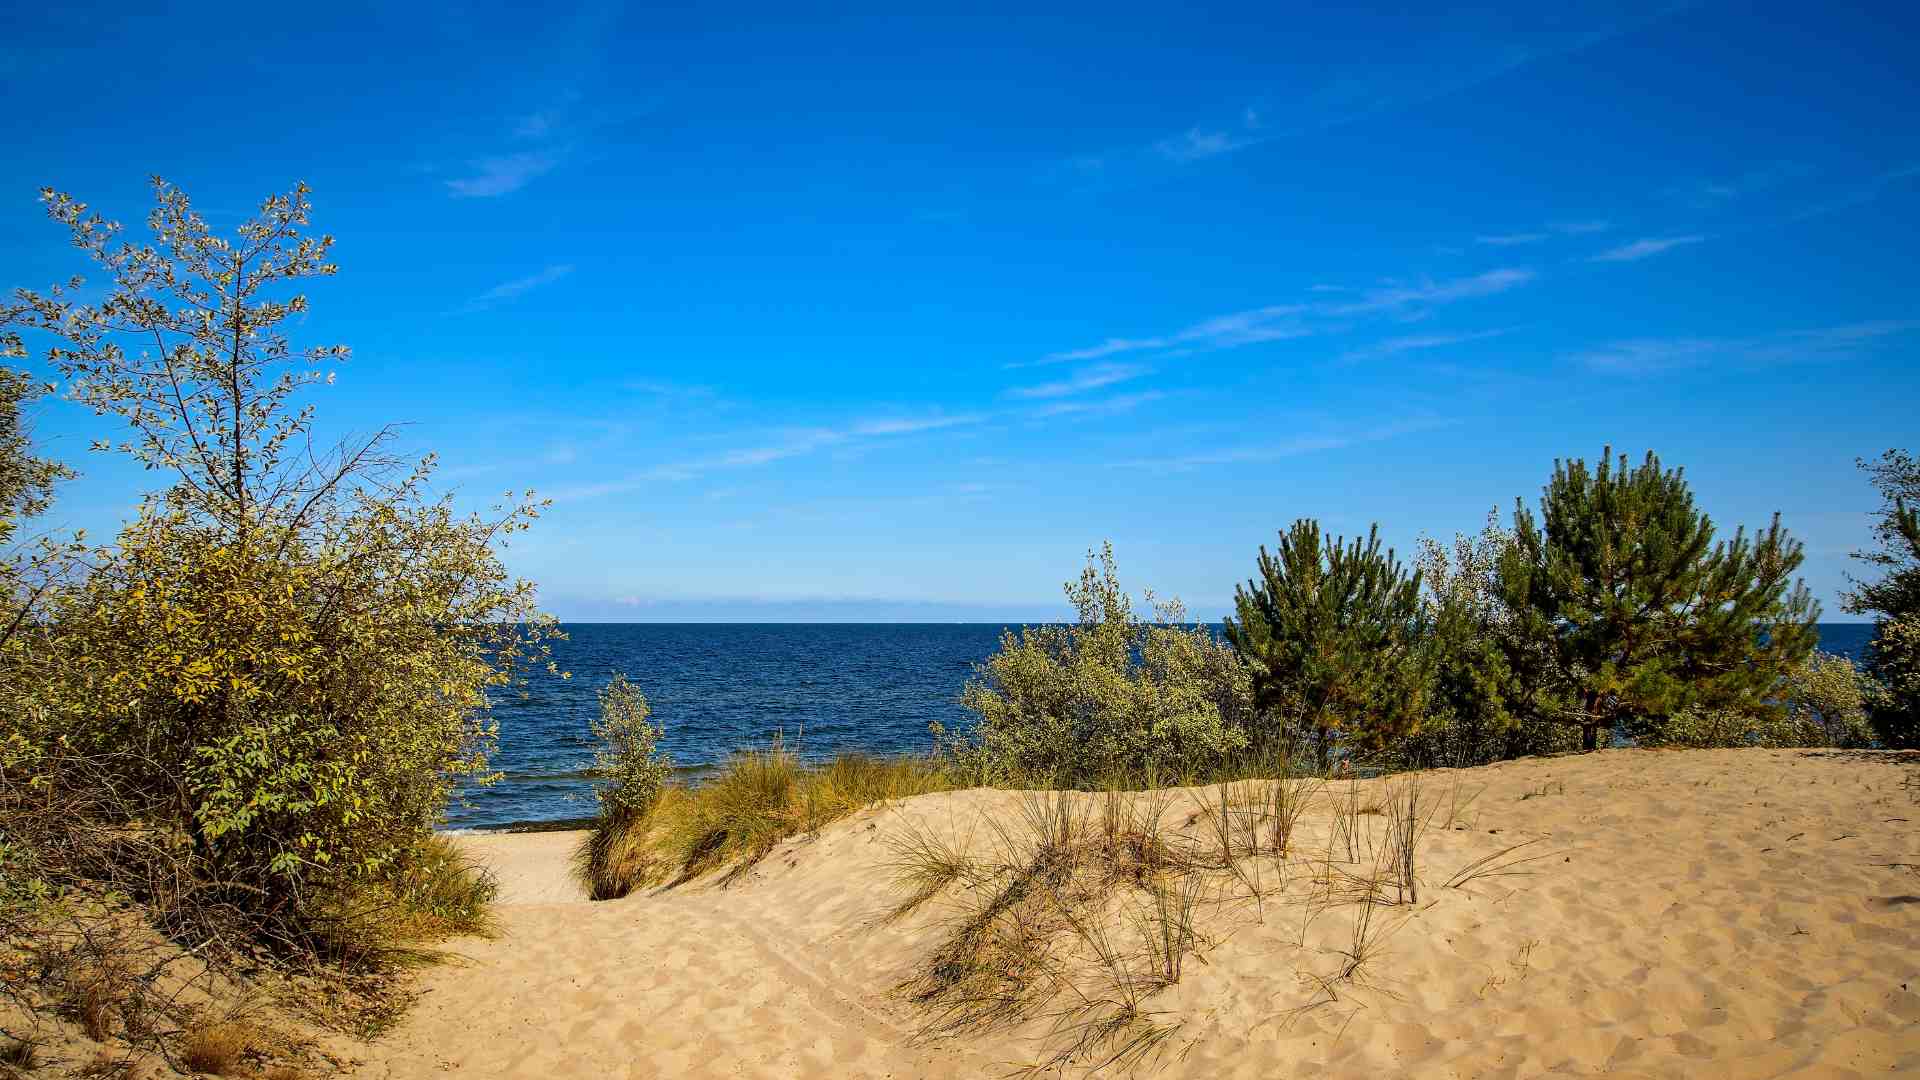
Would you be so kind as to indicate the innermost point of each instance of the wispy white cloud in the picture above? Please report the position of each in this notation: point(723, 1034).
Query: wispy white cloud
point(1511, 239)
point(1087, 378)
point(1642, 356)
point(1428, 292)
point(1103, 407)
point(491, 177)
point(1285, 448)
point(1645, 248)
point(910, 425)
point(1282, 322)
point(545, 140)
point(1538, 235)
point(1415, 342)
point(511, 289)
point(771, 448)
point(1197, 144)
point(1272, 323)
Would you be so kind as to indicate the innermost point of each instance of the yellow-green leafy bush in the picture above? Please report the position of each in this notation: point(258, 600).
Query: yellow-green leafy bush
point(282, 667)
point(615, 856)
point(1105, 697)
point(1819, 702)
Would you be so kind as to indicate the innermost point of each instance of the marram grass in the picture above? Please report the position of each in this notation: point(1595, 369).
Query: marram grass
point(733, 817)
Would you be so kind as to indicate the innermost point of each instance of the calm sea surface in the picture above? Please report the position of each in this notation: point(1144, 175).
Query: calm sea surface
point(715, 688)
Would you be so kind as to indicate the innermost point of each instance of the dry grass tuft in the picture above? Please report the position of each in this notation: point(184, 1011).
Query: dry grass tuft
point(1086, 906)
point(615, 857)
point(217, 1048)
point(1407, 821)
point(924, 864)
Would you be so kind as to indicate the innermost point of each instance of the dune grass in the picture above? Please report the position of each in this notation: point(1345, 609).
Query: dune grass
point(1067, 916)
point(732, 818)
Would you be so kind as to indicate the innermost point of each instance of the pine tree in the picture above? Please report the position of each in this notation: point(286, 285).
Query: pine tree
point(1333, 631)
point(1893, 660)
point(1635, 612)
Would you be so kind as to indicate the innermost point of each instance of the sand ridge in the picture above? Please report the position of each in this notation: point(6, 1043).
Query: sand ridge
point(1741, 913)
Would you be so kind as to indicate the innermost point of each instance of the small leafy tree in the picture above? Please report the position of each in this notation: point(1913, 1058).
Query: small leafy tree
point(1894, 664)
point(291, 649)
point(1108, 697)
point(1477, 710)
point(1629, 610)
point(1819, 702)
point(1333, 631)
point(1893, 659)
point(615, 857)
point(632, 767)
point(1823, 702)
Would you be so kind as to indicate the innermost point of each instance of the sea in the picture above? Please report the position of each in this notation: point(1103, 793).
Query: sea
point(820, 688)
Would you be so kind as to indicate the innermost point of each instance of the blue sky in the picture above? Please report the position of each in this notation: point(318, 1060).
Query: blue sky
point(874, 316)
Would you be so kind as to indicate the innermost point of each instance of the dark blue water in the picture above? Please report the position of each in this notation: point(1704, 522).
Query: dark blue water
point(715, 688)
point(822, 687)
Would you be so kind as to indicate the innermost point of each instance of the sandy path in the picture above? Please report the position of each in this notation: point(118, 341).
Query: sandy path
point(1719, 913)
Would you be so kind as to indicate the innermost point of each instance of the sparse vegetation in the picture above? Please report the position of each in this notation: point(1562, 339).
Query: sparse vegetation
point(1084, 907)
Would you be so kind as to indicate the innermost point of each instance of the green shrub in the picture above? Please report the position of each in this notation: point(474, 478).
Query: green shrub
point(1107, 696)
point(1819, 702)
point(631, 765)
point(614, 858)
point(284, 663)
point(1894, 661)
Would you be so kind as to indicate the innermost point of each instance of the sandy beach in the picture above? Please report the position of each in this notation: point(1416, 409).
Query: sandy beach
point(1740, 913)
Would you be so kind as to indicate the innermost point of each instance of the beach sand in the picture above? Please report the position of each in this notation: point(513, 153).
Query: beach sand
point(1742, 913)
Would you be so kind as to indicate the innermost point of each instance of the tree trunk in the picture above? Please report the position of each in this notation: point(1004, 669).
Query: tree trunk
point(1590, 725)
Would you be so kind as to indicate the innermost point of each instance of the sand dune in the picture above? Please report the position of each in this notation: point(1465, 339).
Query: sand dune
point(1708, 913)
